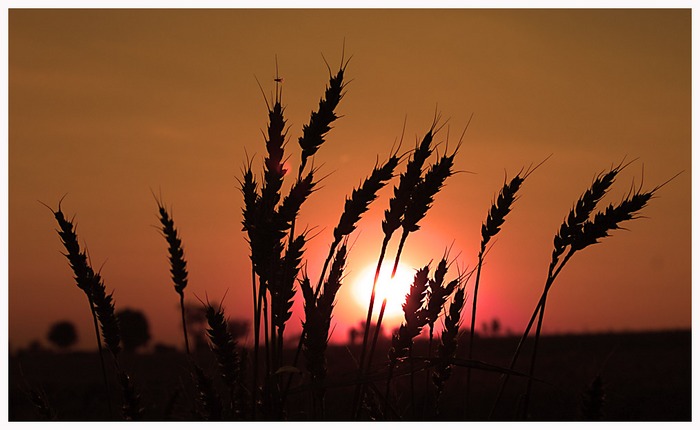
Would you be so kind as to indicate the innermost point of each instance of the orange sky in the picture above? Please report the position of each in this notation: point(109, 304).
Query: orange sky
point(105, 105)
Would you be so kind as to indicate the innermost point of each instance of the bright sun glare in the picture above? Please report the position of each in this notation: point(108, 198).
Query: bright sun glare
point(394, 290)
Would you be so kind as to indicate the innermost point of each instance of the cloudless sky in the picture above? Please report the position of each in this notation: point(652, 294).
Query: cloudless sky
point(107, 105)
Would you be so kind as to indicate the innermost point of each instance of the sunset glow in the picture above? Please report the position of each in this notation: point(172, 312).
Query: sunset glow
point(198, 202)
point(394, 290)
point(108, 105)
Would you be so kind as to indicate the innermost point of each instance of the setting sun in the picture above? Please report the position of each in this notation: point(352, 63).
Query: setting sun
point(394, 290)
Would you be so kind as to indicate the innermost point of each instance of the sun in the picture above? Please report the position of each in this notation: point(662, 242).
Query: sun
point(394, 290)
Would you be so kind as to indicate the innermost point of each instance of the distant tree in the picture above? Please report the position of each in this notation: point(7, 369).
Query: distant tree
point(162, 348)
point(196, 321)
point(485, 328)
point(353, 334)
point(356, 333)
point(134, 329)
point(238, 328)
point(495, 327)
point(63, 334)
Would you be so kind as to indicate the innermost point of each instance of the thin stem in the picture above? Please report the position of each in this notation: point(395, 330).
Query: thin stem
point(102, 359)
point(427, 371)
point(256, 346)
point(184, 324)
point(388, 385)
point(404, 236)
point(326, 263)
point(526, 403)
point(471, 331)
point(381, 315)
point(267, 345)
point(413, 381)
point(359, 389)
point(543, 297)
point(375, 338)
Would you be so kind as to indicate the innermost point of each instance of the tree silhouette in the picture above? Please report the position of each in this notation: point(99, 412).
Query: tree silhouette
point(196, 321)
point(495, 327)
point(134, 329)
point(238, 328)
point(63, 334)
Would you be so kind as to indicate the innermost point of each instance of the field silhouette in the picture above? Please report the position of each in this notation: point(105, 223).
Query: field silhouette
point(452, 375)
point(646, 377)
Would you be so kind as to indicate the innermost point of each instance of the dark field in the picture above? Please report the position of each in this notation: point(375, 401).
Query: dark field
point(646, 377)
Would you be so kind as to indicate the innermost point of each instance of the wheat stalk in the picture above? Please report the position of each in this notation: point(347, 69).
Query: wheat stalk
point(568, 230)
point(414, 320)
point(489, 229)
point(178, 264)
point(85, 279)
point(392, 221)
point(438, 292)
point(318, 312)
point(355, 206)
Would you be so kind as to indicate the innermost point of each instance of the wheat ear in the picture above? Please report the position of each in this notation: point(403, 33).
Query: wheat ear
point(224, 347)
point(489, 229)
point(84, 278)
point(313, 133)
point(178, 264)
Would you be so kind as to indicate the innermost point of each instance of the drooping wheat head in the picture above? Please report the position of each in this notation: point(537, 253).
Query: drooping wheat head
point(599, 227)
point(582, 210)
